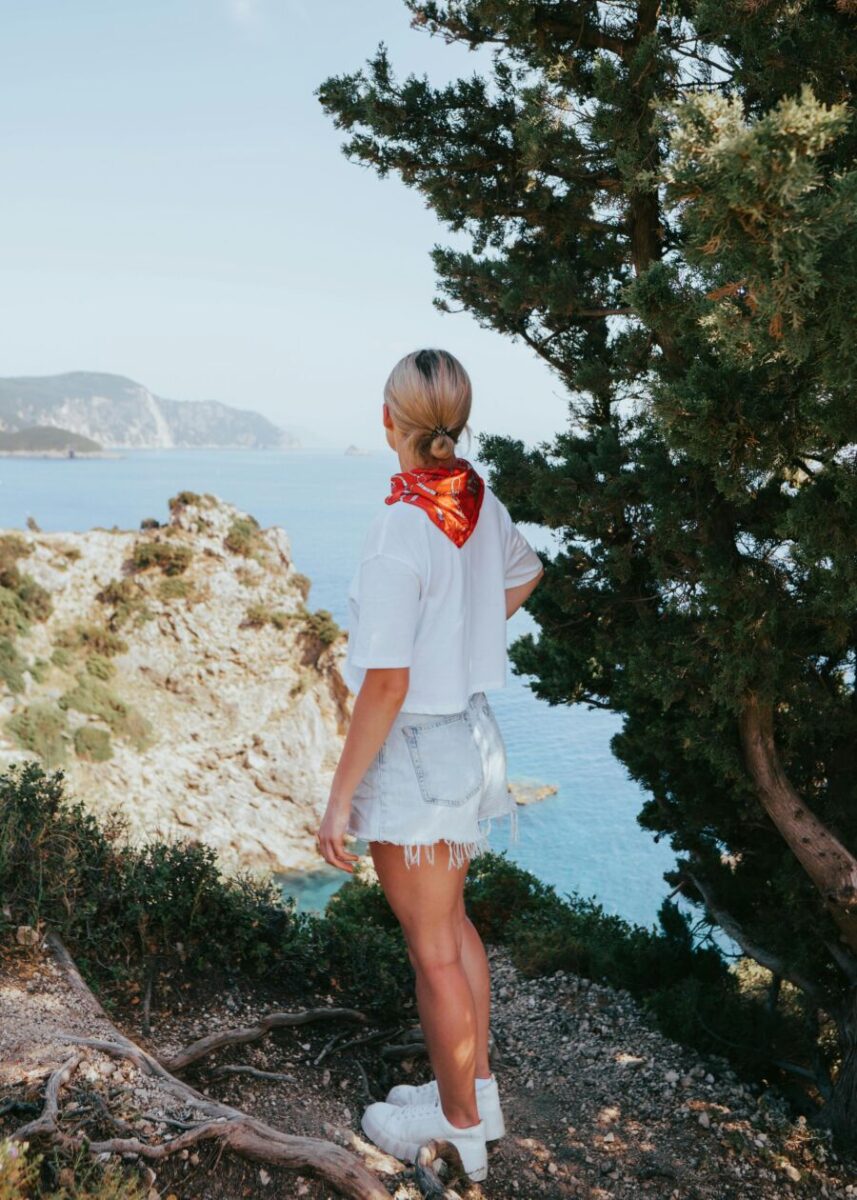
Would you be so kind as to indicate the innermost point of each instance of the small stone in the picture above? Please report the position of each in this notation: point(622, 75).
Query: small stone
point(25, 935)
point(704, 1119)
point(264, 1177)
point(671, 1077)
point(552, 1168)
point(792, 1172)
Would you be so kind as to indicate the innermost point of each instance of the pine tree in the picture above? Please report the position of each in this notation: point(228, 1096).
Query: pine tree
point(661, 201)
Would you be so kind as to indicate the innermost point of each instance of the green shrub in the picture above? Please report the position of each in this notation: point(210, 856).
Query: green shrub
point(259, 615)
point(127, 600)
point(21, 1170)
point(175, 588)
point(92, 744)
point(13, 619)
point(170, 557)
point(90, 696)
point(302, 582)
point(191, 499)
point(321, 624)
point(122, 909)
point(62, 657)
point(12, 547)
point(99, 667)
point(22, 600)
point(243, 536)
point(12, 666)
point(35, 600)
point(41, 729)
point(39, 668)
point(92, 639)
point(150, 523)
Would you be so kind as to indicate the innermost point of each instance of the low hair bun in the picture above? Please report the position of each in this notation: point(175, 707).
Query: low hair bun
point(442, 446)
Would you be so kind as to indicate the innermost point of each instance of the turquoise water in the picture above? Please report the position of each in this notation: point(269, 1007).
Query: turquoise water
point(585, 839)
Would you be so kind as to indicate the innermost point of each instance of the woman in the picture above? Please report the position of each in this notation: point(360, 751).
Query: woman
point(423, 769)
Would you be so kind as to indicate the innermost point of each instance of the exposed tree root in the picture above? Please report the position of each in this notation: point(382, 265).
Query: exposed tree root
point(378, 1160)
point(46, 1122)
point(244, 1134)
point(252, 1033)
point(429, 1182)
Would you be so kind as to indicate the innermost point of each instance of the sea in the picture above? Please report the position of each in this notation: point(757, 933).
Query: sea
point(584, 840)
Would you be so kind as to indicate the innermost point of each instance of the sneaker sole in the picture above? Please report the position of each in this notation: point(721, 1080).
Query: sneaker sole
point(408, 1151)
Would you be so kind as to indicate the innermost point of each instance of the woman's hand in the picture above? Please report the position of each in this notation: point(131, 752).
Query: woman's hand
point(331, 836)
point(379, 699)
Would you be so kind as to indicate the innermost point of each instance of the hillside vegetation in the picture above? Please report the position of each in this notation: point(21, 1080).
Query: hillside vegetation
point(39, 438)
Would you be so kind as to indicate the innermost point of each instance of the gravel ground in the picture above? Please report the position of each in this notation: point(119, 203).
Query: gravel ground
point(598, 1104)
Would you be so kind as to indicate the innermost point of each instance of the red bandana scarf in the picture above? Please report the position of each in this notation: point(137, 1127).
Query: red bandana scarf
point(451, 496)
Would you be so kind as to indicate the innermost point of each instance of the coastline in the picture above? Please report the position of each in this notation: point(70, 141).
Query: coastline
point(62, 455)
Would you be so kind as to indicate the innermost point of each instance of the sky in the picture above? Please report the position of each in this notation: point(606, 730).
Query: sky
point(176, 207)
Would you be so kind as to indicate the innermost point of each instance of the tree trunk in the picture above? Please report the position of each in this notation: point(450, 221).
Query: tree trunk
point(829, 864)
point(840, 1112)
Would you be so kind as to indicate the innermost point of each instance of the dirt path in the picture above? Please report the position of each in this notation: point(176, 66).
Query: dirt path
point(597, 1103)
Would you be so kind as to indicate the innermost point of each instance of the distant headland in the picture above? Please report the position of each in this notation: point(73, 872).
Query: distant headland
point(49, 441)
point(112, 412)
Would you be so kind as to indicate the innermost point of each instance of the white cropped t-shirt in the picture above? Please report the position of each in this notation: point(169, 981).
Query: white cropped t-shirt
point(417, 600)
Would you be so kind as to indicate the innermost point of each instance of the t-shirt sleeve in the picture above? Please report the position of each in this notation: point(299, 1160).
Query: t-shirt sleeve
point(521, 561)
point(388, 595)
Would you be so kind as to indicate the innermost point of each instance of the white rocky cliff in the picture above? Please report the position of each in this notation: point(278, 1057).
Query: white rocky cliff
point(175, 674)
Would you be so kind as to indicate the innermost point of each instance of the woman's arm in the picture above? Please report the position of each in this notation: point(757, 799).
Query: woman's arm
point(515, 596)
point(381, 695)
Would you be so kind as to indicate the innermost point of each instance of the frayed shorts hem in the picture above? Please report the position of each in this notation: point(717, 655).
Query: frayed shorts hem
point(459, 852)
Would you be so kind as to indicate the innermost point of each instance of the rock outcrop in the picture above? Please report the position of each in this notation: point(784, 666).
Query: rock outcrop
point(176, 674)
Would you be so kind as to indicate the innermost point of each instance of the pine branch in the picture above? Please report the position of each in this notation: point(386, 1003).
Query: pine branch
point(765, 958)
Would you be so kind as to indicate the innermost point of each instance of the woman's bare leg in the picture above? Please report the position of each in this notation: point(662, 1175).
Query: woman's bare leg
point(475, 963)
point(426, 899)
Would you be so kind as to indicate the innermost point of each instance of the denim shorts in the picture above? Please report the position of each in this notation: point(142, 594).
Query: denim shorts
point(438, 777)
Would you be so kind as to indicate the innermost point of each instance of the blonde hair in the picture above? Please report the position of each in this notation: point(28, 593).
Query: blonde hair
point(427, 389)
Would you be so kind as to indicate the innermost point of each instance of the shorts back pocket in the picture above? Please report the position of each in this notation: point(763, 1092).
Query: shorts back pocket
point(446, 759)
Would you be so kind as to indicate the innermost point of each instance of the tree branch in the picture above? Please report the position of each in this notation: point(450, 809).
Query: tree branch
point(763, 957)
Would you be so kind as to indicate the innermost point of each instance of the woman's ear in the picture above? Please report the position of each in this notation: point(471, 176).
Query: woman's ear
point(385, 416)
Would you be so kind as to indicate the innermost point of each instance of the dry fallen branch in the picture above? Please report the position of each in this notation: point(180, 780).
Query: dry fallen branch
point(366, 1040)
point(252, 1033)
point(253, 1072)
point(408, 1050)
point(242, 1133)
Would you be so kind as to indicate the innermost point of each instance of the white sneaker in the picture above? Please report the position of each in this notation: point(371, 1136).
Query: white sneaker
point(402, 1129)
point(487, 1101)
